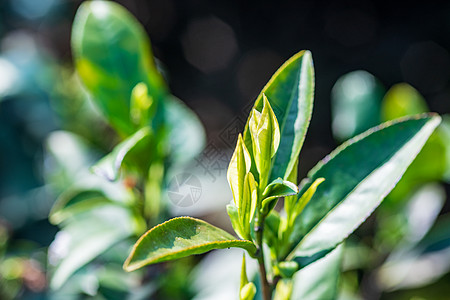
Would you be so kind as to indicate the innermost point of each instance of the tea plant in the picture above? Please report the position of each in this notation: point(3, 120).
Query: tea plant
point(318, 215)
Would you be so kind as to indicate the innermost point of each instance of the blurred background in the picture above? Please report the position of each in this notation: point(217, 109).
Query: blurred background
point(216, 57)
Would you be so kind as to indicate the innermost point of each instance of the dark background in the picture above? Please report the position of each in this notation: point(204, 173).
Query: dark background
point(219, 54)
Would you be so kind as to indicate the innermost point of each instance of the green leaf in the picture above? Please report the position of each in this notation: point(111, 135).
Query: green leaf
point(276, 189)
point(358, 175)
point(287, 269)
point(247, 289)
point(402, 100)
point(294, 209)
point(247, 206)
point(72, 203)
point(265, 133)
point(247, 292)
point(141, 103)
point(355, 104)
point(87, 237)
point(180, 237)
point(109, 166)
point(430, 258)
point(112, 55)
point(283, 290)
point(186, 136)
point(290, 92)
point(320, 279)
point(233, 213)
point(239, 166)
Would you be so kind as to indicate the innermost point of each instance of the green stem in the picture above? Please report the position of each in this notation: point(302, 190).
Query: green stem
point(259, 229)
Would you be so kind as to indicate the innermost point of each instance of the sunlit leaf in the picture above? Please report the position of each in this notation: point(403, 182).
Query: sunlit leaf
point(265, 133)
point(358, 175)
point(290, 92)
point(180, 237)
point(247, 205)
point(276, 189)
point(112, 55)
point(239, 166)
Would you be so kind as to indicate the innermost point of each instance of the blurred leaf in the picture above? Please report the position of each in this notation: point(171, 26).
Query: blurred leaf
point(112, 55)
point(356, 104)
point(135, 147)
point(358, 175)
point(180, 237)
point(319, 280)
point(290, 92)
point(69, 205)
point(425, 263)
point(87, 237)
point(68, 160)
point(402, 100)
point(186, 134)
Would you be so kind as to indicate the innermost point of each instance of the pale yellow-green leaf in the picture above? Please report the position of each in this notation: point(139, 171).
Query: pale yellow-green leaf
point(247, 205)
point(141, 102)
point(239, 166)
point(248, 291)
point(265, 133)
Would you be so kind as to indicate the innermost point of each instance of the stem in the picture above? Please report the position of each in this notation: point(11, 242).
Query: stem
point(259, 229)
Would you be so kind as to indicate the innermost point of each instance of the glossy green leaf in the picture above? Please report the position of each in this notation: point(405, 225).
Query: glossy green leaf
point(180, 237)
point(109, 166)
point(355, 104)
point(358, 175)
point(290, 92)
point(320, 279)
point(186, 136)
point(112, 55)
